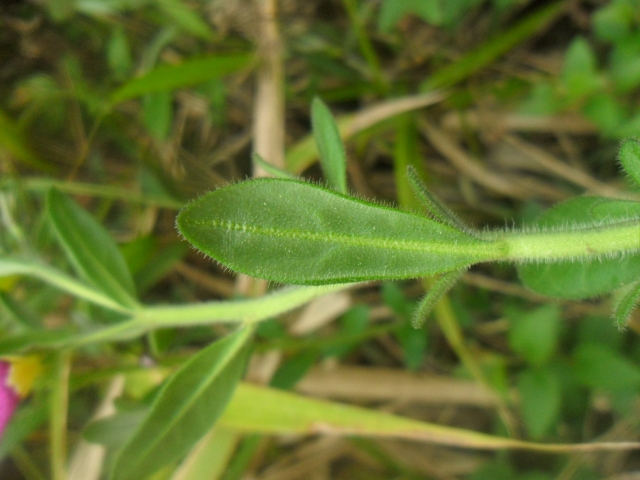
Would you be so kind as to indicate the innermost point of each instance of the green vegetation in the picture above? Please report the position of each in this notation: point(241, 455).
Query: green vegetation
point(453, 212)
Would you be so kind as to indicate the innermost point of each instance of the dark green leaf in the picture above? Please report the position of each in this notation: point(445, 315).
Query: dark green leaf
point(185, 409)
point(327, 137)
point(534, 335)
point(295, 232)
point(90, 249)
point(186, 74)
point(539, 401)
point(586, 278)
point(598, 366)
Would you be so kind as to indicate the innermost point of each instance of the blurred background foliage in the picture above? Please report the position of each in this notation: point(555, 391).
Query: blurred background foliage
point(136, 106)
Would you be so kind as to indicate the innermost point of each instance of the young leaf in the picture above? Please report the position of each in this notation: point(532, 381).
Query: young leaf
point(332, 156)
point(625, 305)
point(186, 408)
point(586, 278)
point(296, 232)
point(90, 249)
point(272, 170)
point(435, 208)
point(630, 159)
point(437, 291)
point(534, 335)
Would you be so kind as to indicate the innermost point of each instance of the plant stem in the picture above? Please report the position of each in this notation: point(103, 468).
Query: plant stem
point(567, 245)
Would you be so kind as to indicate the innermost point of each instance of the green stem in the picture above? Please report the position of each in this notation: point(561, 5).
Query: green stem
point(571, 244)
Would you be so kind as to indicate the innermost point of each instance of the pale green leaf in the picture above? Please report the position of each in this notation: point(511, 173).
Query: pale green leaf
point(90, 249)
point(186, 408)
point(332, 155)
point(262, 410)
point(296, 232)
point(271, 169)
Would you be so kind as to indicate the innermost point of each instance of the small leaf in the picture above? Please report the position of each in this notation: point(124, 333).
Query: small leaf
point(90, 249)
point(185, 409)
point(295, 232)
point(626, 304)
point(540, 400)
point(579, 75)
point(332, 156)
point(534, 335)
point(435, 208)
point(436, 292)
point(157, 114)
point(630, 159)
point(272, 170)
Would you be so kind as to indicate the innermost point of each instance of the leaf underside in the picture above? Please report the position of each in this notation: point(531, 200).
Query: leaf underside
point(295, 232)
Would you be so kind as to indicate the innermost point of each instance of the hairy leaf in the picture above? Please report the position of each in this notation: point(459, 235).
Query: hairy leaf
point(626, 304)
point(630, 159)
point(437, 291)
point(296, 232)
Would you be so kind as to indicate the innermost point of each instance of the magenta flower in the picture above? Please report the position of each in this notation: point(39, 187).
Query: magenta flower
point(17, 375)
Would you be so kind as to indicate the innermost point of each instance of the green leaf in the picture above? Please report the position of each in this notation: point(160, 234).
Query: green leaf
point(586, 278)
point(540, 401)
point(392, 12)
point(52, 276)
point(12, 140)
point(630, 159)
point(626, 304)
point(157, 114)
point(272, 170)
point(332, 156)
point(263, 410)
point(534, 335)
point(119, 53)
point(597, 366)
point(414, 345)
point(184, 16)
point(435, 208)
point(90, 249)
point(295, 232)
point(433, 296)
point(186, 74)
point(185, 409)
point(580, 77)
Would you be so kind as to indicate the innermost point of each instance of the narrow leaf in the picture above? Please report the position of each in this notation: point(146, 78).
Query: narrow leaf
point(296, 232)
point(272, 170)
point(437, 291)
point(12, 140)
point(332, 156)
point(185, 409)
point(630, 159)
point(185, 74)
point(435, 208)
point(58, 279)
point(90, 249)
point(625, 305)
point(268, 411)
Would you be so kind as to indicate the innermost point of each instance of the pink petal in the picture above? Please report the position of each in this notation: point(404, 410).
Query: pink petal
point(8, 397)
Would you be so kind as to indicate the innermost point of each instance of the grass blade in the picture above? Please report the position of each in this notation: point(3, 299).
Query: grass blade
point(91, 250)
point(332, 155)
point(185, 74)
point(185, 409)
